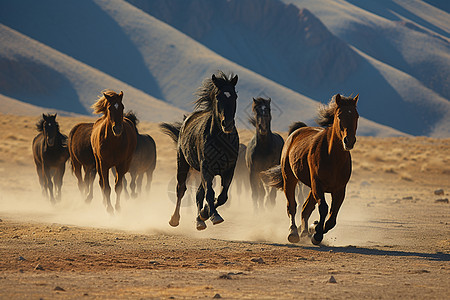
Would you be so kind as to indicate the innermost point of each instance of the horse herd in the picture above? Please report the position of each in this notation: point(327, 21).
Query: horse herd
point(207, 144)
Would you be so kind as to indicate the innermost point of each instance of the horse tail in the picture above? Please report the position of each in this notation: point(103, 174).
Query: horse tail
point(172, 130)
point(296, 125)
point(274, 177)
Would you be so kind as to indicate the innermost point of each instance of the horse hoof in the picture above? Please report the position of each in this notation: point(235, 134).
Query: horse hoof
point(134, 195)
point(174, 221)
point(201, 225)
point(118, 208)
point(293, 236)
point(110, 210)
point(204, 214)
point(316, 240)
point(216, 219)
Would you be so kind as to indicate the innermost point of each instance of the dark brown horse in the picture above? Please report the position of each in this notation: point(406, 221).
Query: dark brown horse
point(263, 152)
point(50, 155)
point(319, 158)
point(82, 157)
point(113, 142)
point(143, 162)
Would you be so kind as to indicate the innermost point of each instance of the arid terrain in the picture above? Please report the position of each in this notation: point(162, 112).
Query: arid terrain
point(392, 238)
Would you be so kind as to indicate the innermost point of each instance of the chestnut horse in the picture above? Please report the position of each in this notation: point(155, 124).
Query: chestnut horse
point(319, 158)
point(82, 157)
point(50, 155)
point(113, 141)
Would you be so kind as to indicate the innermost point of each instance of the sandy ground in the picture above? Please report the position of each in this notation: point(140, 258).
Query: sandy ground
point(391, 240)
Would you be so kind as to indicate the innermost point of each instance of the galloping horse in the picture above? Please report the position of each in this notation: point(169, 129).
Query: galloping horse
point(263, 152)
point(208, 142)
point(50, 155)
point(319, 158)
point(113, 142)
point(144, 160)
point(81, 156)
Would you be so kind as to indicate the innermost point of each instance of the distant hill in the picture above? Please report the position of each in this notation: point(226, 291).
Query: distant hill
point(61, 54)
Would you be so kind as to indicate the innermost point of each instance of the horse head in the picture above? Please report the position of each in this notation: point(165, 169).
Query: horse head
point(346, 120)
point(263, 117)
point(225, 104)
point(50, 129)
point(115, 112)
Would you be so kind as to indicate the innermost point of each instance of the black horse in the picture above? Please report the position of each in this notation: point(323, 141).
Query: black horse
point(263, 152)
point(143, 161)
point(208, 142)
point(50, 155)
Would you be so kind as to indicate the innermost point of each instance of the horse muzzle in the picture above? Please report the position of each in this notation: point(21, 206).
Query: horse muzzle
point(117, 130)
point(227, 127)
point(51, 141)
point(348, 143)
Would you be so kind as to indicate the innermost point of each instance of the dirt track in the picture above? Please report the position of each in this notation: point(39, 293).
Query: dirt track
point(391, 241)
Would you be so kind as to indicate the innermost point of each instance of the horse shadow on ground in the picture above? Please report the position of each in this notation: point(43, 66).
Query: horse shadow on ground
point(438, 256)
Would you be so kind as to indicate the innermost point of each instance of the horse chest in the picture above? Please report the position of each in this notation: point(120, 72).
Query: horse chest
point(220, 152)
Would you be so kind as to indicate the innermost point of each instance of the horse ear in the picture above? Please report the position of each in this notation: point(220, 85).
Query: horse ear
point(338, 99)
point(356, 99)
point(121, 95)
point(56, 115)
point(234, 80)
point(214, 79)
point(106, 96)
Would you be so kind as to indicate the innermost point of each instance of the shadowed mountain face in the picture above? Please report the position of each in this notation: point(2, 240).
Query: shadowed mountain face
point(284, 51)
point(83, 31)
point(281, 42)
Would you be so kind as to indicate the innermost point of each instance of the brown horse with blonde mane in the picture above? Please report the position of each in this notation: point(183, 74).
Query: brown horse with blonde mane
point(113, 142)
point(319, 158)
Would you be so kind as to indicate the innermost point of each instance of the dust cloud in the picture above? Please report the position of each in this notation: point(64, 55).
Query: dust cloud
point(150, 212)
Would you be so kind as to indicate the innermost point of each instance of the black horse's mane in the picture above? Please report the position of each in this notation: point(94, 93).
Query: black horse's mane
point(40, 124)
point(326, 113)
point(207, 91)
point(130, 115)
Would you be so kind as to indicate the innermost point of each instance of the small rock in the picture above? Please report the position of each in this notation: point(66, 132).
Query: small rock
point(1, 220)
point(439, 192)
point(58, 288)
point(443, 200)
point(258, 260)
point(407, 198)
point(217, 296)
point(21, 258)
point(38, 267)
point(225, 276)
point(332, 279)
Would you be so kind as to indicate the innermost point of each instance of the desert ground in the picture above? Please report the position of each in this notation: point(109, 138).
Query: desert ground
point(391, 241)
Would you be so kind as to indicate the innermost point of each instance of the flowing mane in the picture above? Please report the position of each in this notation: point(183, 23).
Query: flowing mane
point(40, 124)
point(326, 113)
point(101, 105)
point(208, 90)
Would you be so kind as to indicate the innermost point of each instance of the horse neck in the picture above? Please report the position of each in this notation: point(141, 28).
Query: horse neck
point(334, 142)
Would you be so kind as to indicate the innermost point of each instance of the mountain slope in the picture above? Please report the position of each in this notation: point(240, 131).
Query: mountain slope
point(36, 74)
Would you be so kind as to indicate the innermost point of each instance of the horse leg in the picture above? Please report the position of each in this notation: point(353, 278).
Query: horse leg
point(149, 179)
point(199, 197)
point(76, 167)
point(307, 209)
point(336, 202)
point(40, 172)
point(120, 182)
point(104, 184)
point(182, 173)
point(226, 179)
point(49, 184)
point(136, 180)
point(89, 176)
point(319, 196)
point(254, 185)
point(271, 196)
point(289, 191)
point(207, 180)
point(58, 178)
